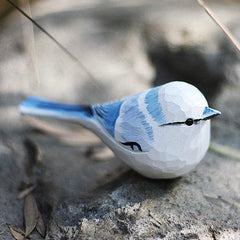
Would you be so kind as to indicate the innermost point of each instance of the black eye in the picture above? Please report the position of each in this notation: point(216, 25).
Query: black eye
point(189, 122)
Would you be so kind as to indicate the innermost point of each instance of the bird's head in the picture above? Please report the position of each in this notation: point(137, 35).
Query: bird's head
point(182, 103)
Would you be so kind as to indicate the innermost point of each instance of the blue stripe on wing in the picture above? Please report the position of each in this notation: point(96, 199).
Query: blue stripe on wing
point(133, 121)
point(154, 106)
point(133, 126)
point(107, 114)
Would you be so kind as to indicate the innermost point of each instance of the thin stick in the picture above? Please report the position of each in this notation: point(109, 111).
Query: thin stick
point(225, 151)
point(224, 28)
point(29, 41)
point(74, 58)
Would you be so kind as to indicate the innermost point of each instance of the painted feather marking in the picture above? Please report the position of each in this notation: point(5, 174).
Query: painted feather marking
point(154, 106)
point(133, 125)
point(107, 114)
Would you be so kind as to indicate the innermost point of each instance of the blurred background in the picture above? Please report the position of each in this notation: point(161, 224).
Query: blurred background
point(127, 46)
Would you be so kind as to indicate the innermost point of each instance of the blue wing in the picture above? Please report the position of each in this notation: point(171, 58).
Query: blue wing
point(133, 126)
point(107, 114)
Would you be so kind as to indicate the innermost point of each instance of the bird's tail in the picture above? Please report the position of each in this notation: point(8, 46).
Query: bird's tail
point(41, 107)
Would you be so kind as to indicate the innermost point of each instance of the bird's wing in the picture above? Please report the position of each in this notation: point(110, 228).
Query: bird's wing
point(107, 114)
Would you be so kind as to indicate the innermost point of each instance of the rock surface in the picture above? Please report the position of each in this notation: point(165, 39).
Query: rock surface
point(201, 205)
point(83, 191)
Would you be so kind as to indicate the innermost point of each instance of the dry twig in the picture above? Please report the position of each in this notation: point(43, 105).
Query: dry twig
point(25, 192)
point(63, 48)
point(225, 151)
point(217, 21)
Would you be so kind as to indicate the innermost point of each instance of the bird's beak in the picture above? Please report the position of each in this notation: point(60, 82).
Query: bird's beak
point(209, 113)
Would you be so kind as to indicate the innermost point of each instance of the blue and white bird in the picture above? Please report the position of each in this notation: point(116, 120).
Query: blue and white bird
point(163, 132)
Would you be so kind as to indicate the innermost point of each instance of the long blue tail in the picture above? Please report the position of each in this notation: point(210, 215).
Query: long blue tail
point(41, 107)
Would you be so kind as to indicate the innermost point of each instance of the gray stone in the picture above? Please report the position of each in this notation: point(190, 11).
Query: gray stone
point(202, 204)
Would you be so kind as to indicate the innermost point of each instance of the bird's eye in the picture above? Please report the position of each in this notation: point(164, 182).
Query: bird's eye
point(189, 122)
point(134, 146)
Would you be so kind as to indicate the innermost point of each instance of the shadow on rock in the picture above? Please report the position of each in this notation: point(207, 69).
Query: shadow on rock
point(189, 64)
